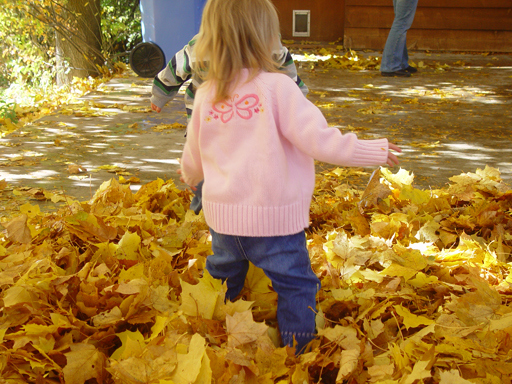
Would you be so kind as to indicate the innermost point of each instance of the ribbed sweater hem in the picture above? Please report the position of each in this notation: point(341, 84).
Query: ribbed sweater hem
point(256, 221)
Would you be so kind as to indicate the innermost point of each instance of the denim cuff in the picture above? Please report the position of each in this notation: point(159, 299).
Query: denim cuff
point(302, 339)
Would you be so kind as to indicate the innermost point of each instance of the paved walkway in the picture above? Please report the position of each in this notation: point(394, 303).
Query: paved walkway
point(448, 121)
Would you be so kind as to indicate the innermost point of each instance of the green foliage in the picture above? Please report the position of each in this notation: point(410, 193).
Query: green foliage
point(7, 111)
point(27, 48)
point(120, 24)
point(27, 41)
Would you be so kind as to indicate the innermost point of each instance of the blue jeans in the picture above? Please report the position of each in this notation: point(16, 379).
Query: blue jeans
point(395, 56)
point(285, 260)
point(197, 201)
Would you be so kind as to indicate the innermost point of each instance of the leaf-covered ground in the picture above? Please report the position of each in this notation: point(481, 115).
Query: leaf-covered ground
point(415, 289)
point(431, 115)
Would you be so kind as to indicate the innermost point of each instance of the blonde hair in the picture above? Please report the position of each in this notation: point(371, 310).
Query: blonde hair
point(235, 34)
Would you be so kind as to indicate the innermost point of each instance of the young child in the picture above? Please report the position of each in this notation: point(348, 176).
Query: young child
point(180, 69)
point(253, 138)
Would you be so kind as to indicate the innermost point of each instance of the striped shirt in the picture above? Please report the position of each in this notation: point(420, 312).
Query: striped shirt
point(169, 81)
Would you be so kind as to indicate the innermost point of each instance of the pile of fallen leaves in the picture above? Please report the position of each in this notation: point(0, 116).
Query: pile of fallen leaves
point(415, 289)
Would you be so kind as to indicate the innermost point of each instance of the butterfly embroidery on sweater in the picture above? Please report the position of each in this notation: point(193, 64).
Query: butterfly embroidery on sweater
point(245, 107)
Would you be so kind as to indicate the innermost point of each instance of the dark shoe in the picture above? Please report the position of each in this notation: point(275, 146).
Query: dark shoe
point(411, 69)
point(400, 73)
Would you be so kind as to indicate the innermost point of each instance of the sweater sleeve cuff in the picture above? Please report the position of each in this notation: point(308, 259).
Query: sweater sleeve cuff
point(158, 101)
point(192, 182)
point(370, 152)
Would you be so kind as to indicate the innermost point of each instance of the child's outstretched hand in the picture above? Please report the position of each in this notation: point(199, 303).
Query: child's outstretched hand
point(392, 158)
point(155, 108)
point(183, 180)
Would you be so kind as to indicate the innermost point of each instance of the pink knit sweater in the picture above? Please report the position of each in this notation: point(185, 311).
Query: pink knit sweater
point(256, 155)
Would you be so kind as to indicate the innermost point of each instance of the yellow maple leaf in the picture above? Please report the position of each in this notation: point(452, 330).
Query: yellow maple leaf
point(160, 300)
point(503, 323)
point(30, 210)
point(56, 197)
point(204, 298)
point(428, 231)
point(132, 345)
point(452, 377)
point(84, 362)
point(193, 367)
point(410, 258)
point(346, 337)
point(396, 269)
point(133, 287)
point(272, 361)
point(258, 289)
point(106, 250)
point(411, 320)
point(399, 179)
point(421, 280)
point(133, 370)
point(379, 373)
point(242, 329)
point(419, 372)
point(300, 375)
point(455, 350)
point(18, 294)
point(107, 317)
point(373, 328)
point(128, 246)
point(160, 324)
point(237, 306)
point(256, 280)
point(447, 237)
point(416, 196)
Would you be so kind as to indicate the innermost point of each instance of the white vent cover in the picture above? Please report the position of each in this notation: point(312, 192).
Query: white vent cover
point(301, 22)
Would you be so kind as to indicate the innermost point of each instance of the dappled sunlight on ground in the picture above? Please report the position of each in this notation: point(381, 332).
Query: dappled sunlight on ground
point(453, 116)
point(446, 121)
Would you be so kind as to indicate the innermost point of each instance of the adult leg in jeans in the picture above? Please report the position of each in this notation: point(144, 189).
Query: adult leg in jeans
point(394, 56)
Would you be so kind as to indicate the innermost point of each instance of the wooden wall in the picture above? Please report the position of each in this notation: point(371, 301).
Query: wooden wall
point(447, 25)
point(326, 18)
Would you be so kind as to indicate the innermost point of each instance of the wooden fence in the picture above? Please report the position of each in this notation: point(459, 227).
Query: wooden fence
point(447, 25)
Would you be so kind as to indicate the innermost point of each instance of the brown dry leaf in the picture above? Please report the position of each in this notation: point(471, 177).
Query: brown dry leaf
point(75, 169)
point(348, 363)
point(84, 362)
point(374, 192)
point(18, 230)
point(132, 180)
point(452, 377)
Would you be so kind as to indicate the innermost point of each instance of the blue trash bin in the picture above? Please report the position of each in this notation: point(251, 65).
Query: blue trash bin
point(167, 25)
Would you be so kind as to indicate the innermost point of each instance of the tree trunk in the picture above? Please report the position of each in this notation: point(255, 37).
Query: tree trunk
point(78, 40)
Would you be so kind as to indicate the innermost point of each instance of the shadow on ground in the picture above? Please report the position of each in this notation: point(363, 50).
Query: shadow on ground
point(447, 121)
